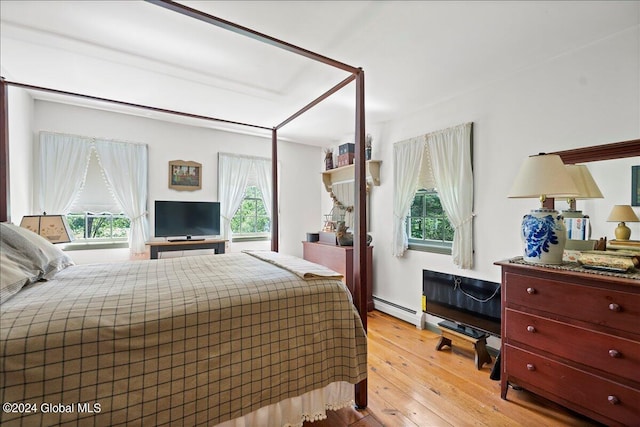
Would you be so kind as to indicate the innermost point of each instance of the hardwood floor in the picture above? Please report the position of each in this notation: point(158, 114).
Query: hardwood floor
point(411, 384)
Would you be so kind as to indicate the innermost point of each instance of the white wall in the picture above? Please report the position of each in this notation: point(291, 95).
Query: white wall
point(300, 187)
point(585, 97)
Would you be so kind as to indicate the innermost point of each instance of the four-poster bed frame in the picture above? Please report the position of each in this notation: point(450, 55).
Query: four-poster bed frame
point(356, 74)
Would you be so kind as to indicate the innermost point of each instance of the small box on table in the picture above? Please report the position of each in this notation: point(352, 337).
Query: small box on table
point(345, 159)
point(347, 148)
point(328, 237)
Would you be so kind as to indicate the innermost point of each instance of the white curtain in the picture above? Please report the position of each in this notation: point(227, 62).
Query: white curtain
point(126, 167)
point(63, 166)
point(450, 154)
point(233, 174)
point(263, 175)
point(407, 158)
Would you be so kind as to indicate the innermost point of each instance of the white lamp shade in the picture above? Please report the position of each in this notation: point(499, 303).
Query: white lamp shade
point(52, 227)
point(587, 187)
point(622, 213)
point(543, 175)
point(543, 232)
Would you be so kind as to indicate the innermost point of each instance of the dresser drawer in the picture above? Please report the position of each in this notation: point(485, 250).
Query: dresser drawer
point(601, 306)
point(609, 353)
point(592, 393)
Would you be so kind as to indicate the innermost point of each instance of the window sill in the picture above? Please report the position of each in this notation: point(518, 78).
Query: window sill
point(84, 246)
point(258, 237)
point(436, 248)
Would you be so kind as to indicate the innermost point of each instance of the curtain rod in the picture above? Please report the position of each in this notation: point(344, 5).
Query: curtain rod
point(130, 104)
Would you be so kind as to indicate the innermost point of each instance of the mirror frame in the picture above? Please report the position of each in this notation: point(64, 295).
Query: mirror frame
point(615, 150)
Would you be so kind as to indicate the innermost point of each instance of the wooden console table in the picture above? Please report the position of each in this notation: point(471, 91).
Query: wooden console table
point(185, 245)
point(340, 259)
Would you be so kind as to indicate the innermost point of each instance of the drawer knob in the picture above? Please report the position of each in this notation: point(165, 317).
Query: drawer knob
point(615, 307)
point(531, 291)
point(614, 353)
point(613, 400)
point(531, 367)
point(531, 328)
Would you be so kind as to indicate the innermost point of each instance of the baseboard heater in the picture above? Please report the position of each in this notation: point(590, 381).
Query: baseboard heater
point(398, 311)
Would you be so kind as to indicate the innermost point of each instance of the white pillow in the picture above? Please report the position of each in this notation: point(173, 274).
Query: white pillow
point(13, 277)
point(28, 256)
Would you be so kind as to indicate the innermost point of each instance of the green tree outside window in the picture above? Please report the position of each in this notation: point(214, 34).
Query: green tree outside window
point(99, 226)
point(251, 217)
point(427, 221)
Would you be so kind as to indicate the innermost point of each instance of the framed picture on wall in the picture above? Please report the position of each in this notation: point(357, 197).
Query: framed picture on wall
point(635, 185)
point(185, 176)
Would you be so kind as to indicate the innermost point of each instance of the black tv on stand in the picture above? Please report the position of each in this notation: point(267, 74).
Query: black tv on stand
point(179, 221)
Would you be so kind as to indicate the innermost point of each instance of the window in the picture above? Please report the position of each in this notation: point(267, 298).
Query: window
point(96, 218)
point(99, 226)
point(251, 221)
point(79, 174)
point(441, 160)
point(244, 191)
point(428, 228)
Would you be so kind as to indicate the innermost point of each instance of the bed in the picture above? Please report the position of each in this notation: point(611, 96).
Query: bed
point(292, 395)
point(255, 338)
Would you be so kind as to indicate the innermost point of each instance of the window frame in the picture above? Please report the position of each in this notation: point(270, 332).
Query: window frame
point(85, 243)
point(253, 236)
point(424, 245)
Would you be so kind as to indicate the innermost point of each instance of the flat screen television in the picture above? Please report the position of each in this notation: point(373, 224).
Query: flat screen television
point(183, 220)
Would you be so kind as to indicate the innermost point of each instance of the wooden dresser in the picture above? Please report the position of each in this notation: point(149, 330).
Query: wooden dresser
point(573, 337)
point(340, 259)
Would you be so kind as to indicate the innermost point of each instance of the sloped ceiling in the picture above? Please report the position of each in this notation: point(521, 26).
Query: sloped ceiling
point(414, 53)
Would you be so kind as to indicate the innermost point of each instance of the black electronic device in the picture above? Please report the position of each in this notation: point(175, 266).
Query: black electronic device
point(470, 305)
point(182, 220)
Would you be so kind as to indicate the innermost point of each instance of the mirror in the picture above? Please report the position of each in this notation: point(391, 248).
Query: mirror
point(610, 166)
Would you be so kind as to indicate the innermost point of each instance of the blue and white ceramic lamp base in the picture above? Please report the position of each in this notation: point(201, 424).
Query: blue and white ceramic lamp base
point(544, 236)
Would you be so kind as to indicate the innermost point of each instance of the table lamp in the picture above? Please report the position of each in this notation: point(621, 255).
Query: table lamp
point(543, 231)
point(587, 189)
point(52, 227)
point(622, 214)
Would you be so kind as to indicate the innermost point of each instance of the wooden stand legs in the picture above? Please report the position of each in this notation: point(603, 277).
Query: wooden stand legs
point(477, 345)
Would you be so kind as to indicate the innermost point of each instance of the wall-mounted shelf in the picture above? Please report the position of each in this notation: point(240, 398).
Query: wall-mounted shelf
point(347, 173)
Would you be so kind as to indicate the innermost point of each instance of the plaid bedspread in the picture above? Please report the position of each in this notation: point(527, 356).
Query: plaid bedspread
point(182, 341)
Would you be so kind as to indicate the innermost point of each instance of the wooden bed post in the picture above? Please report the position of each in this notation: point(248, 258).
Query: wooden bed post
point(360, 243)
point(5, 204)
point(274, 190)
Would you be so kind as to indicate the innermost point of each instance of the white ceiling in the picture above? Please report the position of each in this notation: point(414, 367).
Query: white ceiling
point(414, 54)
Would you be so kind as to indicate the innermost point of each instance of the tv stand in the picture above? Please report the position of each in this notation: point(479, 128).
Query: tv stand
point(185, 245)
point(466, 336)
